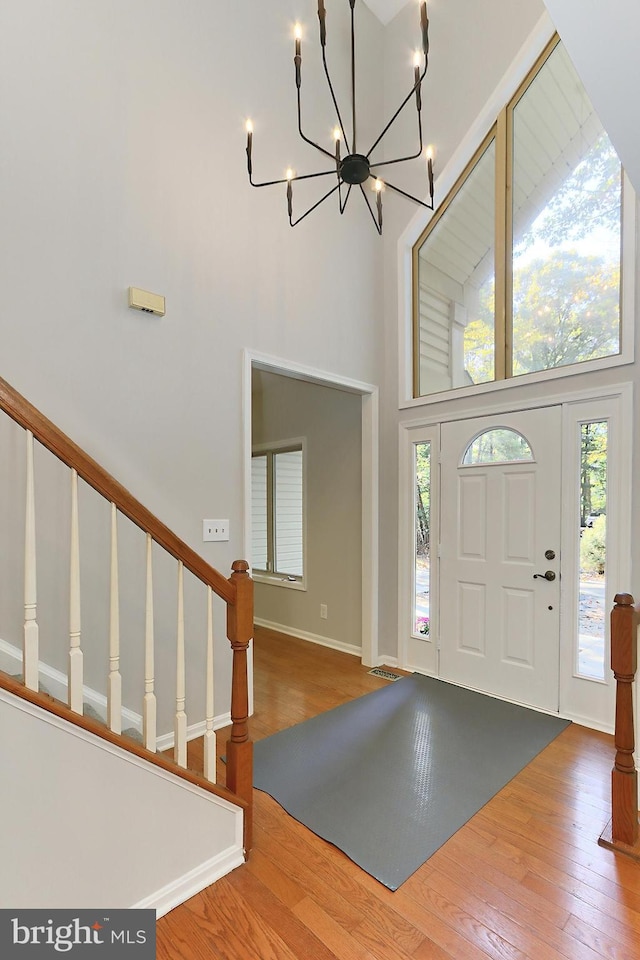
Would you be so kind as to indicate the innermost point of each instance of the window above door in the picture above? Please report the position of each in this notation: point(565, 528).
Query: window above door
point(518, 273)
point(497, 445)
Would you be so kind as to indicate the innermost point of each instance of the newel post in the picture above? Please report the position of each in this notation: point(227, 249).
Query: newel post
point(623, 833)
point(239, 746)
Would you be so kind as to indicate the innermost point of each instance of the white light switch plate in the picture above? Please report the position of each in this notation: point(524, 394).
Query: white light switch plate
point(215, 530)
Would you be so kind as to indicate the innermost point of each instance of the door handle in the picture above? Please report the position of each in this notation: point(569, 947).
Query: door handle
point(548, 575)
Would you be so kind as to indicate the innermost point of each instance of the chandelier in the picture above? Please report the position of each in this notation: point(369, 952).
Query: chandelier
point(353, 169)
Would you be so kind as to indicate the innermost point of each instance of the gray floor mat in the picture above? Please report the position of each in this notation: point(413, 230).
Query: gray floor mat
point(389, 777)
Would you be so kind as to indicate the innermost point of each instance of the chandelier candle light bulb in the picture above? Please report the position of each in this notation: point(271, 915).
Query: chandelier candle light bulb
point(298, 57)
point(322, 14)
point(379, 202)
point(336, 137)
point(424, 24)
point(356, 167)
point(289, 192)
point(429, 155)
point(249, 128)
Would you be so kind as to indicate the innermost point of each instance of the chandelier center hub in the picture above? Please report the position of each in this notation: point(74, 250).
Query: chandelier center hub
point(355, 168)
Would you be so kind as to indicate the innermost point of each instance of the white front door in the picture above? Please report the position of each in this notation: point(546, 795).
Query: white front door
point(499, 555)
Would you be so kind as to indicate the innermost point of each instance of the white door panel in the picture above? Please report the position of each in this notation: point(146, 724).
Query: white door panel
point(499, 626)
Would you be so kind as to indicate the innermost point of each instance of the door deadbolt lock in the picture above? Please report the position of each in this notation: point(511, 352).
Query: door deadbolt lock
point(549, 554)
point(548, 575)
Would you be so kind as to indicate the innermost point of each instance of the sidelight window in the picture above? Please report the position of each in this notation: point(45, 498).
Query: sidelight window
point(422, 540)
point(592, 592)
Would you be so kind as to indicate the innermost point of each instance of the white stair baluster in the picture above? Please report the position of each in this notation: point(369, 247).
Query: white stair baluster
point(210, 736)
point(114, 684)
point(75, 651)
point(149, 708)
point(30, 648)
point(180, 729)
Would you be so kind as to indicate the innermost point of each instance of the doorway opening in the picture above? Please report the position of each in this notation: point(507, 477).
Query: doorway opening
point(333, 421)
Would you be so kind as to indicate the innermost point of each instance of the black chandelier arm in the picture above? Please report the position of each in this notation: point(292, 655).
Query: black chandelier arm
point(306, 139)
point(294, 223)
point(413, 156)
point(303, 176)
point(333, 97)
point(387, 163)
point(401, 108)
point(343, 206)
point(377, 225)
point(409, 196)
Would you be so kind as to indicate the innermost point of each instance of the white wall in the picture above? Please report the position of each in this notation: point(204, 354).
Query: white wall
point(123, 164)
point(602, 41)
point(330, 422)
point(112, 831)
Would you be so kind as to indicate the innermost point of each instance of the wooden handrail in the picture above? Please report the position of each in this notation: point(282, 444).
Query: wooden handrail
point(623, 833)
point(46, 432)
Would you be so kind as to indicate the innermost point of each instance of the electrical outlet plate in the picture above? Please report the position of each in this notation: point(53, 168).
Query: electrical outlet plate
point(215, 530)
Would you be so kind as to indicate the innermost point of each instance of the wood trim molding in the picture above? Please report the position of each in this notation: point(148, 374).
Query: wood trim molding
point(29, 417)
point(45, 702)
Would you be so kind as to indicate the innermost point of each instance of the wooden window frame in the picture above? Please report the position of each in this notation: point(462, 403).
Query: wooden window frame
point(501, 132)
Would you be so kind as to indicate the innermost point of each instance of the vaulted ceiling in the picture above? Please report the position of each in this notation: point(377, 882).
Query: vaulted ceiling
point(386, 10)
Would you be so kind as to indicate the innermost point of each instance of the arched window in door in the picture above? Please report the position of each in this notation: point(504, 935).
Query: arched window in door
point(497, 445)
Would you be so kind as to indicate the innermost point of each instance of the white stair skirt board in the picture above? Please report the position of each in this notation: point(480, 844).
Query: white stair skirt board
point(311, 637)
point(57, 685)
point(68, 784)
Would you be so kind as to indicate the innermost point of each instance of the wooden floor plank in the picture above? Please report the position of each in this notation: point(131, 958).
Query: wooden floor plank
point(523, 880)
point(504, 916)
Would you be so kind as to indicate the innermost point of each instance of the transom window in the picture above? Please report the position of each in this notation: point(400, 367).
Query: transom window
point(519, 269)
point(499, 445)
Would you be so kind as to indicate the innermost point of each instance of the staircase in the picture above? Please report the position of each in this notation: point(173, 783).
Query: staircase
point(97, 511)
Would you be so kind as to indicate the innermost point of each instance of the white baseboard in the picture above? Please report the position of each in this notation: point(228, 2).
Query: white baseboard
point(57, 685)
point(592, 725)
point(176, 892)
point(311, 637)
point(386, 661)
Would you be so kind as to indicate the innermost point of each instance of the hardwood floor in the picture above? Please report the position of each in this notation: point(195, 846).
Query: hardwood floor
point(525, 878)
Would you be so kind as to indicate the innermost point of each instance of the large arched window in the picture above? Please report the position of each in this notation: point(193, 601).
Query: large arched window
point(518, 271)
